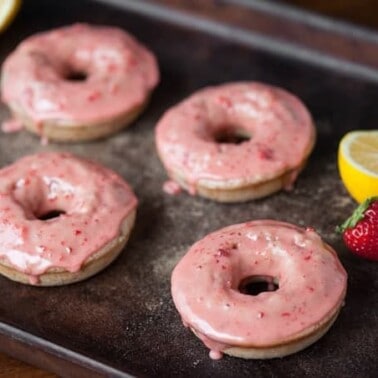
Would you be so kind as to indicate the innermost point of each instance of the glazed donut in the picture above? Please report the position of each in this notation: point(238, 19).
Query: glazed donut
point(306, 286)
point(78, 82)
point(236, 142)
point(62, 218)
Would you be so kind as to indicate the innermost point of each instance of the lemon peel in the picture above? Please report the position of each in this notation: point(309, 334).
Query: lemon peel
point(358, 163)
point(8, 10)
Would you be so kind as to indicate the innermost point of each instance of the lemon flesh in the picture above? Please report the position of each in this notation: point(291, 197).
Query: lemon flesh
point(358, 163)
point(8, 10)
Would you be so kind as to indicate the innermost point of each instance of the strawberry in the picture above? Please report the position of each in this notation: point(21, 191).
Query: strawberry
point(360, 231)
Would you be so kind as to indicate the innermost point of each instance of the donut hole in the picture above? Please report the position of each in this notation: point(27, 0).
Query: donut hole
point(231, 135)
point(51, 214)
point(254, 285)
point(75, 75)
point(46, 198)
point(46, 211)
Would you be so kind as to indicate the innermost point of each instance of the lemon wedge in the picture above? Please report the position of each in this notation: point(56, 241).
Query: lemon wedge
point(8, 10)
point(358, 163)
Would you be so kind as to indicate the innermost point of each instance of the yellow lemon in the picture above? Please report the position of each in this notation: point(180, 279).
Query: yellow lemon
point(358, 163)
point(8, 9)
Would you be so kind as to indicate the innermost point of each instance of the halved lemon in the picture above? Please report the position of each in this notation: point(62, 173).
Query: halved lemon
point(8, 10)
point(358, 163)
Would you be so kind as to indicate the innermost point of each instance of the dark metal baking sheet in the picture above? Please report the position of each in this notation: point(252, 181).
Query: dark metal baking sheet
point(122, 321)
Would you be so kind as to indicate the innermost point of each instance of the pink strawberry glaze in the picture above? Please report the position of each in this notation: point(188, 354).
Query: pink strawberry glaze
point(120, 74)
point(95, 201)
point(11, 125)
point(280, 127)
point(171, 187)
point(205, 285)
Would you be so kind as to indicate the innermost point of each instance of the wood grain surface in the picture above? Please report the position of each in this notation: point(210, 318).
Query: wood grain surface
point(11, 368)
point(363, 12)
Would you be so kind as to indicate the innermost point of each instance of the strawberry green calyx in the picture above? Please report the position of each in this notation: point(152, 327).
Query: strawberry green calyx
point(357, 215)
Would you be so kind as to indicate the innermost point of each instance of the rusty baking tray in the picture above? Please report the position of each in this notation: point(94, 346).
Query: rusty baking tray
point(122, 321)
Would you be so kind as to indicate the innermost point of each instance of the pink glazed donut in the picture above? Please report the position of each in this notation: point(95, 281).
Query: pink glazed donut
point(62, 218)
point(306, 286)
point(236, 142)
point(78, 82)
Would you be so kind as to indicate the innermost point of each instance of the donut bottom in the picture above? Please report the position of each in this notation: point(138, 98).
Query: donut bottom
point(285, 349)
point(97, 262)
point(304, 340)
point(69, 131)
point(222, 192)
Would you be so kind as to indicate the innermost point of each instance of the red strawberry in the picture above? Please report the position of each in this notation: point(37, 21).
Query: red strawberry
point(360, 231)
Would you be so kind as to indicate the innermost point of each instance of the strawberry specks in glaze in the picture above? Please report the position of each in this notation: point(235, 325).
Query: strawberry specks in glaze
point(95, 95)
point(111, 67)
point(238, 133)
point(121, 73)
point(226, 250)
point(132, 61)
point(265, 153)
point(40, 249)
point(22, 182)
point(32, 244)
point(299, 299)
point(222, 252)
point(225, 101)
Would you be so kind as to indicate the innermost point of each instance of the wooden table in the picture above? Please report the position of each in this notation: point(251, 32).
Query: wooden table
point(11, 368)
point(364, 12)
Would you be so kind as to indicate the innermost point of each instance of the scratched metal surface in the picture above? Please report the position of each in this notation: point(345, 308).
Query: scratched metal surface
point(124, 317)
